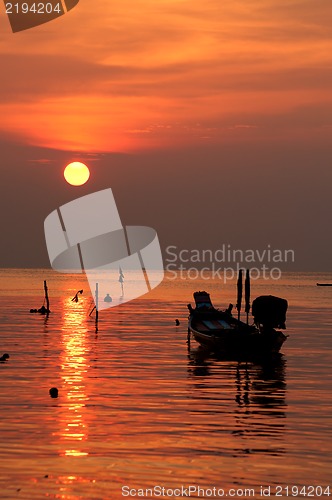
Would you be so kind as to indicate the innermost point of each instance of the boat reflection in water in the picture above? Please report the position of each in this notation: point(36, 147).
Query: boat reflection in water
point(74, 367)
point(242, 399)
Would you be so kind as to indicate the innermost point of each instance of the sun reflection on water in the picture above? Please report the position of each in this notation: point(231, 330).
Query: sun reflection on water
point(74, 367)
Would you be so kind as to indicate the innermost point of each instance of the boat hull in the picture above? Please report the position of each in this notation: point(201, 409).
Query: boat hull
point(239, 341)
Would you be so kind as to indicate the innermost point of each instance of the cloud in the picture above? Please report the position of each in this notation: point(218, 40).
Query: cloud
point(85, 80)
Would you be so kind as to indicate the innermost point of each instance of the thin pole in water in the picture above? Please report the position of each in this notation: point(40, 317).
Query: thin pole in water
point(46, 297)
point(97, 291)
point(121, 280)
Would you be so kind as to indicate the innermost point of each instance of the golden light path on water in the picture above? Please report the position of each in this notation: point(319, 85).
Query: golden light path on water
point(74, 367)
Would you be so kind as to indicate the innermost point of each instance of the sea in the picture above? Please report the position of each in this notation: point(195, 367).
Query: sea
point(143, 413)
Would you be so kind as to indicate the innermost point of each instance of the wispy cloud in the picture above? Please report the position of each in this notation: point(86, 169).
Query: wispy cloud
point(101, 82)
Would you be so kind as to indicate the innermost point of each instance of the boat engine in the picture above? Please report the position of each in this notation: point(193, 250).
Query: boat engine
point(270, 312)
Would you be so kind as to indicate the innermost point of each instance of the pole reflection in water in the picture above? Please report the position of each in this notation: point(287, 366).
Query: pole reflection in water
point(74, 367)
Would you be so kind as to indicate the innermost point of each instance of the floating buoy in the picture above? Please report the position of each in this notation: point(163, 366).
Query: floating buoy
point(108, 298)
point(54, 392)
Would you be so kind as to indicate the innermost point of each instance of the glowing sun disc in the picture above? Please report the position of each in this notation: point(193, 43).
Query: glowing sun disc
point(76, 173)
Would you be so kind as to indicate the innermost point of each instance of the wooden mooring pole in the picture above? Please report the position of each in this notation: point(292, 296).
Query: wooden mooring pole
point(46, 298)
point(97, 312)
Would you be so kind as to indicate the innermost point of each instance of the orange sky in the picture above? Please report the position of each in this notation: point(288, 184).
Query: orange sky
point(227, 103)
point(132, 75)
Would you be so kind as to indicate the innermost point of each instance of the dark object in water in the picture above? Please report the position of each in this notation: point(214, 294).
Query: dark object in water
point(108, 298)
point(324, 284)
point(269, 311)
point(177, 322)
point(219, 331)
point(43, 310)
point(4, 357)
point(75, 298)
point(54, 392)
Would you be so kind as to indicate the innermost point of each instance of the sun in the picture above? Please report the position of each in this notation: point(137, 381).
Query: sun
point(76, 173)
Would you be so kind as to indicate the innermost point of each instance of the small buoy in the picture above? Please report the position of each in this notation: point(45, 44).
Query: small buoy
point(177, 322)
point(54, 392)
point(108, 298)
point(4, 357)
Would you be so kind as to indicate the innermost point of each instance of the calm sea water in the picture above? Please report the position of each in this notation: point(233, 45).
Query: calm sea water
point(138, 407)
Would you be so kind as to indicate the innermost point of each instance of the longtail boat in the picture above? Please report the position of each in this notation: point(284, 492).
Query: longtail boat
point(220, 331)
